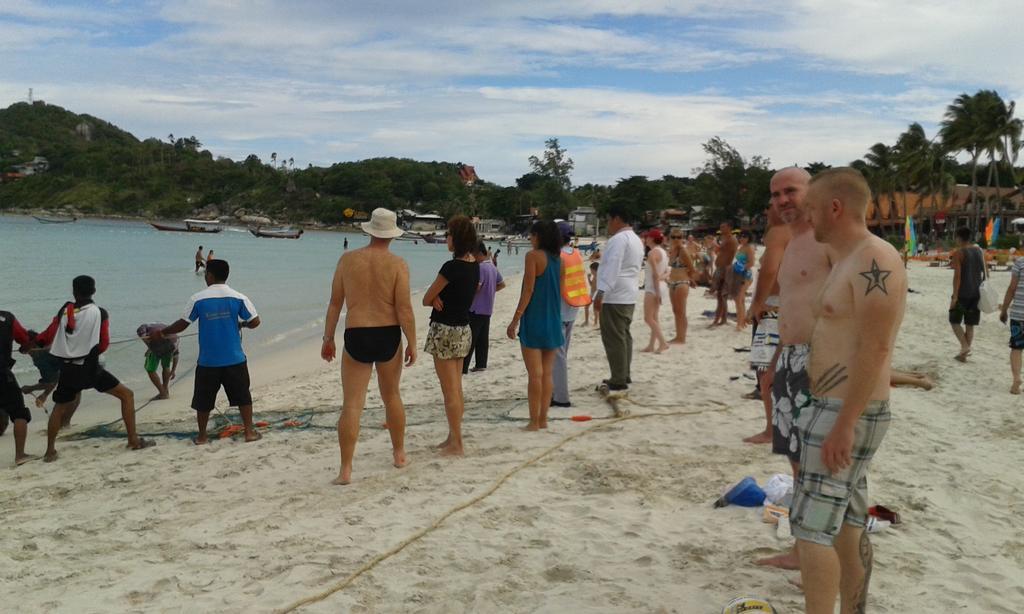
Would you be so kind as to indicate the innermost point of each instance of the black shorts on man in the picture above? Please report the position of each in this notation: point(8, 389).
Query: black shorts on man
point(966, 311)
point(79, 375)
point(12, 401)
point(234, 379)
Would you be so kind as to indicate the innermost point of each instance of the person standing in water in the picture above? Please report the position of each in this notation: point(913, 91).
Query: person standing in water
point(200, 261)
point(449, 337)
point(374, 284)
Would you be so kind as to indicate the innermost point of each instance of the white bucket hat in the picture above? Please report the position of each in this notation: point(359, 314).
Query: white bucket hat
point(383, 224)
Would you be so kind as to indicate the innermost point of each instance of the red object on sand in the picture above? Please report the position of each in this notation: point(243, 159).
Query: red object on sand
point(580, 418)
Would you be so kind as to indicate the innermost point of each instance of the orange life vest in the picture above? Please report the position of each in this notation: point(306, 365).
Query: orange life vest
point(574, 280)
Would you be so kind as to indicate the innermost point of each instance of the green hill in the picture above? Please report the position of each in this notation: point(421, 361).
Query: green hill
point(96, 167)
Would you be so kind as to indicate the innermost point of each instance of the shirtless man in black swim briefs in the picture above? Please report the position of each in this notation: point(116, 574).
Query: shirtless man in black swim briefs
point(374, 284)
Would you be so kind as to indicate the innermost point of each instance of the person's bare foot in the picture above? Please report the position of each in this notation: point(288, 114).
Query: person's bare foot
point(444, 444)
point(26, 458)
point(677, 341)
point(531, 427)
point(927, 383)
point(1015, 388)
point(400, 460)
point(253, 436)
point(344, 477)
point(661, 348)
point(543, 424)
point(50, 456)
point(141, 444)
point(648, 349)
point(762, 437)
point(789, 560)
point(163, 396)
point(200, 441)
point(451, 450)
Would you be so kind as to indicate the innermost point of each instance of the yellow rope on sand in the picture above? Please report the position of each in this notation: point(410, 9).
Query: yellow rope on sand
point(380, 558)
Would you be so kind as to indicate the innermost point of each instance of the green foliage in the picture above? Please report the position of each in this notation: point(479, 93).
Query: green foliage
point(98, 168)
point(638, 194)
point(729, 187)
point(1008, 241)
point(896, 241)
point(553, 163)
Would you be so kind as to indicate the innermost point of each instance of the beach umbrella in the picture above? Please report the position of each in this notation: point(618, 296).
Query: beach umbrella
point(1017, 221)
point(910, 236)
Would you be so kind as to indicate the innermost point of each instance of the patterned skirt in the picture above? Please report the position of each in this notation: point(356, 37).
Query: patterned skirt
point(448, 342)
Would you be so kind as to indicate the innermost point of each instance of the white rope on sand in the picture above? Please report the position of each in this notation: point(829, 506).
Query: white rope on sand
point(380, 558)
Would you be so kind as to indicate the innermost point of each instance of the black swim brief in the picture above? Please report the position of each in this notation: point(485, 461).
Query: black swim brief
point(79, 375)
point(372, 344)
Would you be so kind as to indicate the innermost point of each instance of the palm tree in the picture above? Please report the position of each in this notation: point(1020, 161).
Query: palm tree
point(912, 163)
point(973, 124)
point(881, 166)
point(1004, 145)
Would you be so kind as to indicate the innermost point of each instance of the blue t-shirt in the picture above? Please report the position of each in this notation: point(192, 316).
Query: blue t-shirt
point(219, 309)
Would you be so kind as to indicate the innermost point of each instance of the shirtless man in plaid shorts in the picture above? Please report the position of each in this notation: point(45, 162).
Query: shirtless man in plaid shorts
point(858, 315)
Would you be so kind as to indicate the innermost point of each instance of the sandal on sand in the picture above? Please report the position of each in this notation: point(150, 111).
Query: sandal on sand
point(884, 513)
point(143, 444)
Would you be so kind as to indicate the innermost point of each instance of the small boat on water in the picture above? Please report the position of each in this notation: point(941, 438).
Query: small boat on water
point(54, 220)
point(276, 233)
point(207, 226)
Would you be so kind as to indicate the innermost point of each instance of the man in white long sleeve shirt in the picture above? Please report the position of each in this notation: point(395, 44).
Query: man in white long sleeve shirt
point(618, 281)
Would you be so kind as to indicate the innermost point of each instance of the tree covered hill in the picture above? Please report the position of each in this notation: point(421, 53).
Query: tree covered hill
point(96, 167)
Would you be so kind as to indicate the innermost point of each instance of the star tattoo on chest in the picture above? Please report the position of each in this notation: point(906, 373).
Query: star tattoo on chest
point(876, 278)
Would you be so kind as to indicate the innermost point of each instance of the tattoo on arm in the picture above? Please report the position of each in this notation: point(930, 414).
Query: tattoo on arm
point(876, 278)
point(832, 377)
point(867, 557)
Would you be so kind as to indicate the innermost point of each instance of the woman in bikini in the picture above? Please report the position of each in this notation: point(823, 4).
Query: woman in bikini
point(680, 276)
point(742, 276)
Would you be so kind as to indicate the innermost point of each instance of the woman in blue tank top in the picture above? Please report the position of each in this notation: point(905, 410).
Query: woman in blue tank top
point(539, 318)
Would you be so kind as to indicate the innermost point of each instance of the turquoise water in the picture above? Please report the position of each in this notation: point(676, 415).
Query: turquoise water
point(143, 275)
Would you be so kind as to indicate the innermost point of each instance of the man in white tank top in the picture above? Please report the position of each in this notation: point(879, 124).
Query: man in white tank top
point(78, 334)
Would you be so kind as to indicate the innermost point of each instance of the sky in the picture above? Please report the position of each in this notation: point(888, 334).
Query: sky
point(628, 87)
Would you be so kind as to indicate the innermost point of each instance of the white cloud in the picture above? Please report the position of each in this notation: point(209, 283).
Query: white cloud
point(487, 82)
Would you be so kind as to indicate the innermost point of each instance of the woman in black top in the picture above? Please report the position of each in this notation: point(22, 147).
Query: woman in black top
point(449, 338)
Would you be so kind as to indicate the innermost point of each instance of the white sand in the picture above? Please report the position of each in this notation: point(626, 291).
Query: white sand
point(617, 520)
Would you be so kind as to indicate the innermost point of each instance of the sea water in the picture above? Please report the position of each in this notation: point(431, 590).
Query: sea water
point(144, 275)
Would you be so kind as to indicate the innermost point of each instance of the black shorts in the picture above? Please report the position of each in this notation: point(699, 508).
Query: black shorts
point(234, 379)
point(966, 312)
point(12, 401)
point(74, 378)
point(373, 343)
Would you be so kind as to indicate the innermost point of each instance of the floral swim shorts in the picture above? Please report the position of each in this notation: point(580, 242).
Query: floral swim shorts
point(448, 342)
point(791, 391)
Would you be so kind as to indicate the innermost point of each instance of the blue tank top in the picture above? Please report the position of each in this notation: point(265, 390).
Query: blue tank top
point(541, 324)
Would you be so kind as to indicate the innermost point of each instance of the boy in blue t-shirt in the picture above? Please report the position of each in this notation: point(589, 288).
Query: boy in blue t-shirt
point(221, 313)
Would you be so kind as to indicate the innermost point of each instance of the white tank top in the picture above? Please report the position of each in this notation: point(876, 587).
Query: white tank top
point(81, 341)
point(660, 273)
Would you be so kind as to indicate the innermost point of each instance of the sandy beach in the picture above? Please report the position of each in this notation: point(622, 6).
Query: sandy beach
point(596, 516)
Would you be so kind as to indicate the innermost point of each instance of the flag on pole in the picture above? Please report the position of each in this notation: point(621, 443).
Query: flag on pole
point(988, 232)
point(995, 233)
point(910, 236)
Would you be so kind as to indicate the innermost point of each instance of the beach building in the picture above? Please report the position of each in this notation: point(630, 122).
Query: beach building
point(584, 221)
point(38, 165)
point(940, 215)
point(489, 226)
point(422, 222)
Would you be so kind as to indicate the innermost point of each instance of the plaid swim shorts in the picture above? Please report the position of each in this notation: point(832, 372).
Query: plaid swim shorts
point(822, 502)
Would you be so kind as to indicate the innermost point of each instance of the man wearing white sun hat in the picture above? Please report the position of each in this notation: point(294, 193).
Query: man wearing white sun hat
point(374, 284)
